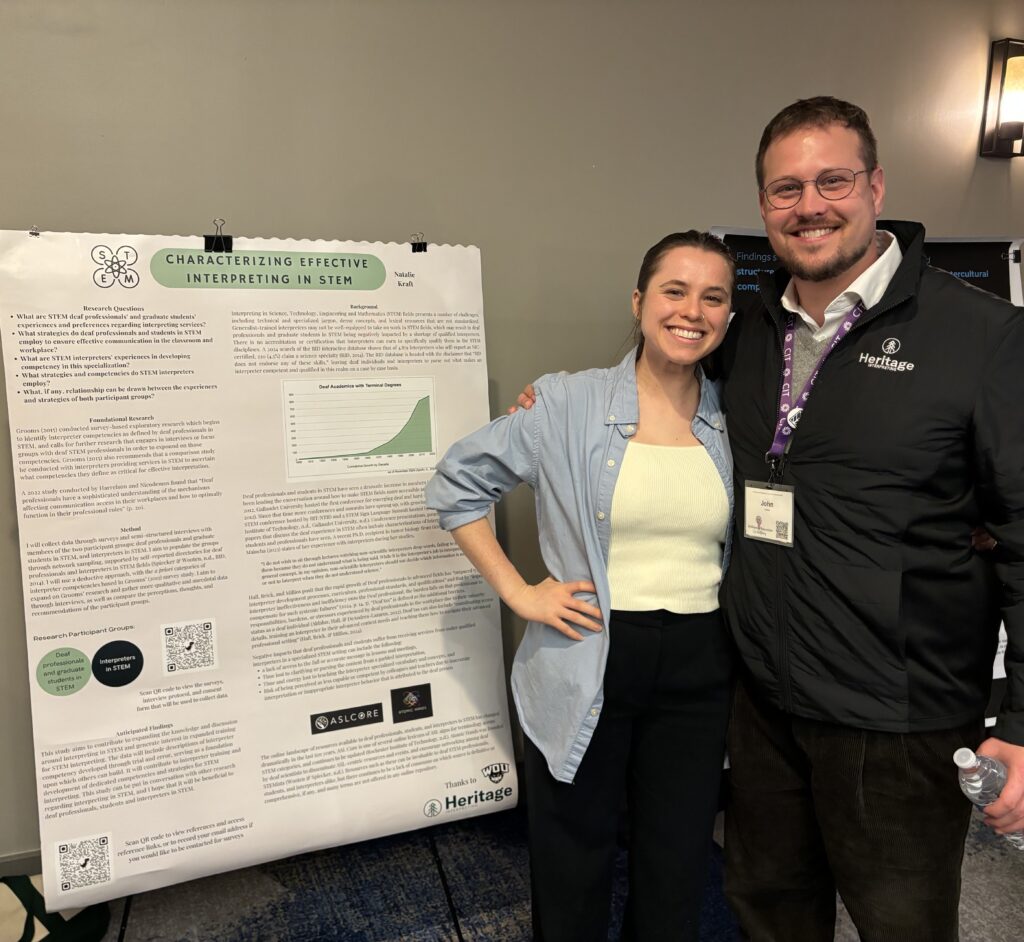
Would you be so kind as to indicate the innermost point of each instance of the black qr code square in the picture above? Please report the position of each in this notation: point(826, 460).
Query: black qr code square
point(189, 646)
point(782, 530)
point(84, 863)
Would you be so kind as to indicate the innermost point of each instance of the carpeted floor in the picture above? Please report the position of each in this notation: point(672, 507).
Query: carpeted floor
point(461, 882)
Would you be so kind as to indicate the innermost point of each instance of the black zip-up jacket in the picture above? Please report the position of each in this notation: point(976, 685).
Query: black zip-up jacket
point(882, 616)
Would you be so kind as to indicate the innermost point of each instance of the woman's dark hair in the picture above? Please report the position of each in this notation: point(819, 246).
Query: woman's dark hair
point(692, 238)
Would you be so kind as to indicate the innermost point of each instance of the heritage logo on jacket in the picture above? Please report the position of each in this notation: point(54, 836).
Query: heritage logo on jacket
point(886, 362)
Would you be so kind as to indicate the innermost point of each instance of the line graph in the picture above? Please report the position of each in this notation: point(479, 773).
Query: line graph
point(345, 426)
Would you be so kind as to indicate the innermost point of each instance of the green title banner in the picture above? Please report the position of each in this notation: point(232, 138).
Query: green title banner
point(312, 271)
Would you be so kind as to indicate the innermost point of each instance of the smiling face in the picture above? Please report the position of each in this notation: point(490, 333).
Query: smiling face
point(821, 240)
point(684, 309)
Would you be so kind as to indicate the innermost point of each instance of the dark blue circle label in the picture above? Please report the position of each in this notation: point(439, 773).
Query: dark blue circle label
point(117, 663)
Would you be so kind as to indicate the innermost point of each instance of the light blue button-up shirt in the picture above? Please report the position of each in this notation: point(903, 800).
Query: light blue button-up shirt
point(569, 449)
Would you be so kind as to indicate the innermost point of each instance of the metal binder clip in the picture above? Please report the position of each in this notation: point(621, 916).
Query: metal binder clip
point(218, 242)
point(418, 242)
point(34, 232)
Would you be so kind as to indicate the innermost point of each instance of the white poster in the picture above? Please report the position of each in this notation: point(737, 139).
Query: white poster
point(247, 637)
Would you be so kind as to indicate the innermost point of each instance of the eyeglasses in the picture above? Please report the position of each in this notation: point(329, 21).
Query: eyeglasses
point(831, 184)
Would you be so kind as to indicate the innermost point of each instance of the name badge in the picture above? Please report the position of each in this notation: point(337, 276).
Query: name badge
point(768, 513)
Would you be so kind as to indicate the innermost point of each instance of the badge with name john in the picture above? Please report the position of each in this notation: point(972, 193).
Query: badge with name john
point(768, 513)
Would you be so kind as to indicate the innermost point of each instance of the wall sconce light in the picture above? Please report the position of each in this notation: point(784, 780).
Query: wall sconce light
point(1003, 134)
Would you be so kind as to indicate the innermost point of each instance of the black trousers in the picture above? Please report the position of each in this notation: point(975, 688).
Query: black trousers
point(659, 744)
point(814, 807)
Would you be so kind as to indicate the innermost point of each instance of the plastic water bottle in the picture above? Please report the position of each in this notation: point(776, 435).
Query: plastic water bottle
point(982, 779)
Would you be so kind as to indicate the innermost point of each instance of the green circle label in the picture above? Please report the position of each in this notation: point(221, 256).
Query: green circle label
point(63, 671)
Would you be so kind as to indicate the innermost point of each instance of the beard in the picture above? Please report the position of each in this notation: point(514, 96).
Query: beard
point(827, 268)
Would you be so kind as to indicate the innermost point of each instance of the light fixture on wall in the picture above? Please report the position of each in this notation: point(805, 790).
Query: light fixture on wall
point(1003, 134)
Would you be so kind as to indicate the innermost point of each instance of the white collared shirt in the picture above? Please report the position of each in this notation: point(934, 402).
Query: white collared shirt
point(868, 288)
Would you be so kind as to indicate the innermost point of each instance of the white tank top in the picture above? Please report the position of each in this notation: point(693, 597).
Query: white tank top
point(669, 517)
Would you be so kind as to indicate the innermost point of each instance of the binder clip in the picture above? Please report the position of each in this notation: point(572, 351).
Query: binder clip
point(218, 242)
point(418, 242)
point(34, 232)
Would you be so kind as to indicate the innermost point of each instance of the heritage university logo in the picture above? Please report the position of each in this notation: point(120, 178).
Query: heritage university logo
point(887, 361)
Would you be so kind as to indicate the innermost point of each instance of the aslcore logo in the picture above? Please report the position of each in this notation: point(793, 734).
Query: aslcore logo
point(347, 718)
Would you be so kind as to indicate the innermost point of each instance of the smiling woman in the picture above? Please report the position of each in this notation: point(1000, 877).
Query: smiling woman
point(681, 306)
point(633, 483)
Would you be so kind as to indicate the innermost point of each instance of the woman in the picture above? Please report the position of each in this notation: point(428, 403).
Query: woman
point(621, 680)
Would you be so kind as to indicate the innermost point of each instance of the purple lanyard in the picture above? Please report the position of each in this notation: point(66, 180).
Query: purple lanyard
point(789, 415)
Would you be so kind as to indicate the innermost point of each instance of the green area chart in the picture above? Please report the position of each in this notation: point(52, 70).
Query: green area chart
point(413, 438)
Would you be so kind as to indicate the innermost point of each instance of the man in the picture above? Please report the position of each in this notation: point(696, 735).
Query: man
point(866, 622)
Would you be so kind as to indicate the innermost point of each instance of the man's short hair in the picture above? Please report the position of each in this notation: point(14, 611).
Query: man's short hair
point(820, 112)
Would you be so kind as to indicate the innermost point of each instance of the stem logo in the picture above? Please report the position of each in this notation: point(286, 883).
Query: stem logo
point(115, 266)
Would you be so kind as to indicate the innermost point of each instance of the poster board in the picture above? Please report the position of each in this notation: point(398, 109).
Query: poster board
point(247, 637)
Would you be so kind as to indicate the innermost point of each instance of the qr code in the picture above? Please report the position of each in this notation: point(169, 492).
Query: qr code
point(85, 862)
point(189, 646)
point(782, 530)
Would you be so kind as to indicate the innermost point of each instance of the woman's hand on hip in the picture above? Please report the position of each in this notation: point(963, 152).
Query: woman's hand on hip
point(554, 603)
